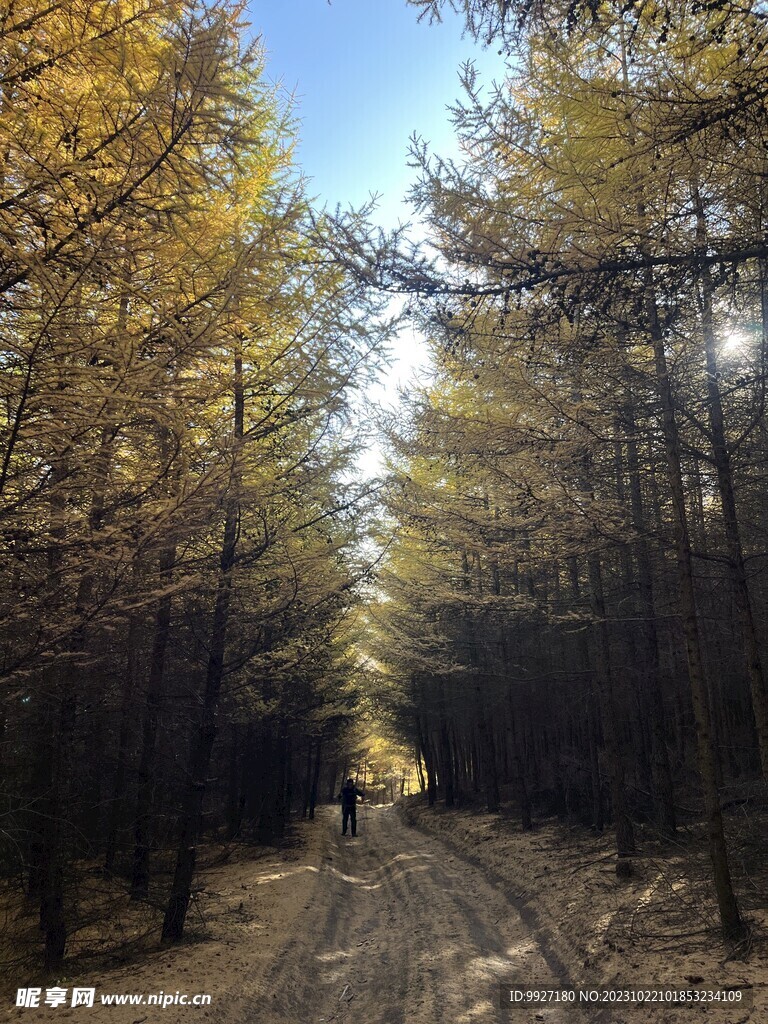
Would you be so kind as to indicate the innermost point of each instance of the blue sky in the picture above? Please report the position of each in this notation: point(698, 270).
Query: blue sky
point(366, 75)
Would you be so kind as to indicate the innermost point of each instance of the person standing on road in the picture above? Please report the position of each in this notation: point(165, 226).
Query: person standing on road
point(348, 796)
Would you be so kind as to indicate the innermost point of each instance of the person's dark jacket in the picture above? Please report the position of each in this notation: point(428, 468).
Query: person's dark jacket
point(349, 795)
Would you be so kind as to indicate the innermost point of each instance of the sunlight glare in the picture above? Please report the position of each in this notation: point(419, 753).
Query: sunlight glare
point(734, 341)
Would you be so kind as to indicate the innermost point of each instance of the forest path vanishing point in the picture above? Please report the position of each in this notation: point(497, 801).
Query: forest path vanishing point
point(402, 931)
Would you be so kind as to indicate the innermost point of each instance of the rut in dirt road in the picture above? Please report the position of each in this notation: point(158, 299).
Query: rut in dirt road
point(403, 931)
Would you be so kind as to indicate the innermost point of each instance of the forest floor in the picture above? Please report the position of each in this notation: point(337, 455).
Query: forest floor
point(657, 929)
point(419, 919)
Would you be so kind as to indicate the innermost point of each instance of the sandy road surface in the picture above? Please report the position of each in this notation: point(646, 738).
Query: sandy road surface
point(401, 931)
point(397, 926)
point(392, 927)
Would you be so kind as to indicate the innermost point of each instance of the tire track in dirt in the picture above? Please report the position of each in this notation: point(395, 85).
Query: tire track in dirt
point(402, 930)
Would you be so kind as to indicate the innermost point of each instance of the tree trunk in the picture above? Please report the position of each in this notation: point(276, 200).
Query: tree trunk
point(661, 774)
point(203, 740)
point(625, 839)
point(446, 762)
point(315, 778)
point(722, 458)
point(333, 775)
point(235, 798)
point(148, 758)
point(420, 771)
point(119, 789)
point(428, 763)
point(307, 787)
point(732, 924)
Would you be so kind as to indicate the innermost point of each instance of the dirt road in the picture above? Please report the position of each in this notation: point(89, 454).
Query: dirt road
point(391, 927)
point(400, 930)
point(396, 926)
